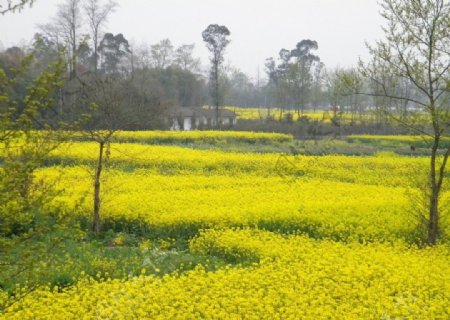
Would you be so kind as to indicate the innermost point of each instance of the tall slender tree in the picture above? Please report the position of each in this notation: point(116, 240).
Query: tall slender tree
point(216, 39)
point(65, 30)
point(97, 13)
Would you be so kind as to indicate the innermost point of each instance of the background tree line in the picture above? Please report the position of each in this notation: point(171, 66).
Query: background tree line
point(165, 75)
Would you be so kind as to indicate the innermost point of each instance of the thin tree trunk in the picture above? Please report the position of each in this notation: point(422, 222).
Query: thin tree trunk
point(433, 221)
point(95, 53)
point(216, 93)
point(96, 227)
point(433, 225)
point(74, 53)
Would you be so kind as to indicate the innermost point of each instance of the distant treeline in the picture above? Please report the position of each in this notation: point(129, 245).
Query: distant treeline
point(137, 84)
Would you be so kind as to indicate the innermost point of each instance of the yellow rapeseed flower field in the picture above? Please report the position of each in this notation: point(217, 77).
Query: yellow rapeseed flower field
point(313, 237)
point(295, 278)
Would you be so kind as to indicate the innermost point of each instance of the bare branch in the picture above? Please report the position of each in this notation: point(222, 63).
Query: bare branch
point(15, 6)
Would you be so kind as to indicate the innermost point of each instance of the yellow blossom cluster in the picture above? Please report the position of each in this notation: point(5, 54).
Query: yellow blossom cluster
point(184, 203)
point(158, 137)
point(296, 278)
point(385, 169)
point(277, 113)
point(324, 115)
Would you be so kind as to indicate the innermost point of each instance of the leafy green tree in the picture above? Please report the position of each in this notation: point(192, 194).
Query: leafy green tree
point(97, 15)
point(292, 79)
point(300, 72)
point(113, 49)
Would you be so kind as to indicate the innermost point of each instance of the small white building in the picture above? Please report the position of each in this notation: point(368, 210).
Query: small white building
point(188, 118)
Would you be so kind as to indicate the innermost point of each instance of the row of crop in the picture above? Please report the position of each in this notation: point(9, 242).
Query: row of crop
point(399, 140)
point(277, 113)
point(324, 115)
point(386, 170)
point(214, 137)
point(179, 205)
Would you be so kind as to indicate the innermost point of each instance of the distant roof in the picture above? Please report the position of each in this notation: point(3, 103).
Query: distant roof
point(197, 111)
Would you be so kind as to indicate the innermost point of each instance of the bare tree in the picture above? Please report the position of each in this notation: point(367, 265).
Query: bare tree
point(185, 59)
point(13, 6)
point(162, 54)
point(97, 13)
point(69, 20)
point(104, 95)
point(65, 31)
point(416, 51)
point(141, 56)
point(115, 102)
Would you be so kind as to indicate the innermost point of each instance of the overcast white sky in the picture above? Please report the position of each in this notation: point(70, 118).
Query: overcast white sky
point(259, 28)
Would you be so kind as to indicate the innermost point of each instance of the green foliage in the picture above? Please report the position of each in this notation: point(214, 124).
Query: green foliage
point(24, 149)
point(114, 256)
point(33, 234)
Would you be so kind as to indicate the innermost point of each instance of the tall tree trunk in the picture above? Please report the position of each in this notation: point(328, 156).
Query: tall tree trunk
point(95, 53)
point(433, 214)
point(433, 224)
point(74, 52)
point(96, 226)
point(216, 93)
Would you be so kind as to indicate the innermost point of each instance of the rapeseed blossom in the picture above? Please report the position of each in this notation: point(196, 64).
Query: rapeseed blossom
point(296, 278)
point(328, 237)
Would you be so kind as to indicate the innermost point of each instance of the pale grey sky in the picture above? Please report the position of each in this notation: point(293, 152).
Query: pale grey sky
point(259, 28)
